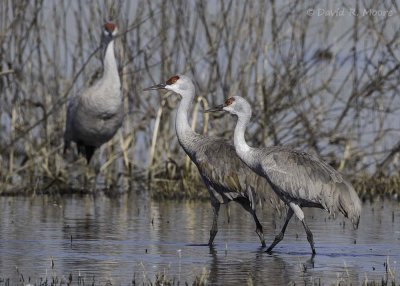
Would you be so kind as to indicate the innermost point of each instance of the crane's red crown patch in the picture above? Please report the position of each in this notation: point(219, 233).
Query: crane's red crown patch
point(110, 27)
point(229, 101)
point(172, 80)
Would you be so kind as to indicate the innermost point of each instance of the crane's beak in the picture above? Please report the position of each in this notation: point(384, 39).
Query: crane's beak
point(215, 109)
point(155, 87)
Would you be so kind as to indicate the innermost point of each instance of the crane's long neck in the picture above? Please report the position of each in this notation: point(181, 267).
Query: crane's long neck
point(186, 135)
point(110, 72)
point(242, 148)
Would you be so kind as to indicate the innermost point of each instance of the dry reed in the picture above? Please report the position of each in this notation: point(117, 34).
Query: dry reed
point(327, 85)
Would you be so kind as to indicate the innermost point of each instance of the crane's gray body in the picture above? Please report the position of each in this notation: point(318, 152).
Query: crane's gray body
point(298, 178)
point(226, 177)
point(94, 116)
point(306, 180)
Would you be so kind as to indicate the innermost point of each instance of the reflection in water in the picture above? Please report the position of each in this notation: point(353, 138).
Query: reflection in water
point(225, 271)
point(133, 237)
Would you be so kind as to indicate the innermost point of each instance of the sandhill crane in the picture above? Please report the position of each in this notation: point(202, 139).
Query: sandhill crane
point(226, 177)
point(298, 178)
point(94, 116)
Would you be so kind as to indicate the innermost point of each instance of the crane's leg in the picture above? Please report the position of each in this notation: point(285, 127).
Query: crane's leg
point(309, 236)
point(299, 213)
point(66, 145)
point(259, 229)
point(214, 228)
point(89, 151)
point(280, 236)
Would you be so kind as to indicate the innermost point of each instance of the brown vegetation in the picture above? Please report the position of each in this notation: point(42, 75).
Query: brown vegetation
point(324, 84)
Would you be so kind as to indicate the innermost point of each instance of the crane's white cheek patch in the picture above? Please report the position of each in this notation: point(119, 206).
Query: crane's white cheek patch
point(229, 109)
point(297, 210)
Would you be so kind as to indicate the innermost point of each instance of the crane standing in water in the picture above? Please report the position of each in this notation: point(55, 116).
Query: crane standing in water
point(299, 179)
point(94, 116)
point(226, 177)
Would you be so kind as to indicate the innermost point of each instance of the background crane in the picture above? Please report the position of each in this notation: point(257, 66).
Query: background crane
point(94, 116)
point(299, 179)
point(226, 177)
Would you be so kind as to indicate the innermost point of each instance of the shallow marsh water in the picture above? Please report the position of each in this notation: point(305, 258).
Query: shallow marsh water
point(133, 238)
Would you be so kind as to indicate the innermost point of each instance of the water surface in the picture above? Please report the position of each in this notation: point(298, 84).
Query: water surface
point(132, 238)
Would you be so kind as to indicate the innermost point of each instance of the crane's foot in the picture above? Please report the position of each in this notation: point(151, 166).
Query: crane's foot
point(214, 227)
point(312, 245)
point(213, 233)
point(212, 249)
point(277, 239)
point(269, 249)
point(309, 237)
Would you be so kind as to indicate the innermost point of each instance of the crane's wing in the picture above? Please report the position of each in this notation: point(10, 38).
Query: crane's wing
point(220, 167)
point(303, 178)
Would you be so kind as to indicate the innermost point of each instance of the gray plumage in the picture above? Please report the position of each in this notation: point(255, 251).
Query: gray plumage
point(226, 177)
point(298, 178)
point(308, 181)
point(94, 116)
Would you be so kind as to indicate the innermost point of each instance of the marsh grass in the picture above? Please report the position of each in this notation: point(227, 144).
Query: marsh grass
point(172, 181)
point(178, 182)
point(161, 278)
point(334, 98)
point(389, 278)
point(380, 185)
point(188, 185)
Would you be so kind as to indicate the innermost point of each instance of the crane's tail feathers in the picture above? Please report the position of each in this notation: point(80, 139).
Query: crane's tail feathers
point(350, 204)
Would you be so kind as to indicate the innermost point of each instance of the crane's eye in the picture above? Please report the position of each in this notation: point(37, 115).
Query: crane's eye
point(172, 80)
point(229, 101)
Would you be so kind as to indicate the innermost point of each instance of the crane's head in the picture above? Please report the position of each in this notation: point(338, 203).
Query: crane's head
point(235, 105)
point(179, 84)
point(109, 32)
point(110, 29)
